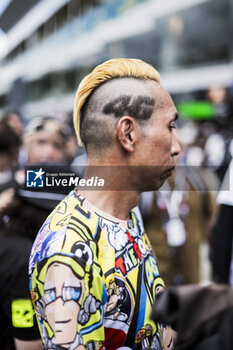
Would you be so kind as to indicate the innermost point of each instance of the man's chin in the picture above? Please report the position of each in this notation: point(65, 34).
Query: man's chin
point(155, 185)
point(152, 185)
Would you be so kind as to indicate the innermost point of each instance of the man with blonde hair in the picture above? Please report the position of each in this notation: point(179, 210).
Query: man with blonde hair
point(126, 121)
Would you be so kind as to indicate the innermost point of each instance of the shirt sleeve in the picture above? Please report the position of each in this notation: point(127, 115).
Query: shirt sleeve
point(20, 309)
point(69, 296)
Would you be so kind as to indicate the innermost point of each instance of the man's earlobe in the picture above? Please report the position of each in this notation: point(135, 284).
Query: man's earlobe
point(126, 133)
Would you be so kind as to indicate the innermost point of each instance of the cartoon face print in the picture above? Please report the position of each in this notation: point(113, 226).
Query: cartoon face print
point(144, 337)
point(168, 338)
point(116, 235)
point(159, 288)
point(117, 296)
point(63, 297)
point(61, 293)
point(119, 305)
point(113, 298)
point(83, 251)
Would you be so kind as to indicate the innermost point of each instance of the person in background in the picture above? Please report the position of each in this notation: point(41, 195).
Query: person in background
point(45, 141)
point(179, 215)
point(9, 148)
point(20, 220)
point(222, 236)
point(176, 223)
point(22, 212)
point(14, 119)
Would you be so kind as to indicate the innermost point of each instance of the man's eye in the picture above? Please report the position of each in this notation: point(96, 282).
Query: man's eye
point(71, 293)
point(172, 126)
point(58, 146)
point(49, 295)
point(41, 142)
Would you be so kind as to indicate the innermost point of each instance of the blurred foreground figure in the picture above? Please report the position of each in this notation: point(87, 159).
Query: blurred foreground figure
point(22, 212)
point(19, 222)
point(202, 316)
point(21, 216)
point(222, 249)
point(93, 276)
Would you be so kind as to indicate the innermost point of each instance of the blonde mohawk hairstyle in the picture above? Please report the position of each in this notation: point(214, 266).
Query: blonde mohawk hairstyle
point(114, 68)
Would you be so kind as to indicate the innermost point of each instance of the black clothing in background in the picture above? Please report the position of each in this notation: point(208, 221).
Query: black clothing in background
point(14, 256)
point(222, 244)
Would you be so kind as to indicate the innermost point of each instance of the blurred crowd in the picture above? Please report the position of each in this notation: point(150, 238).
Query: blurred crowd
point(192, 195)
point(191, 209)
point(47, 142)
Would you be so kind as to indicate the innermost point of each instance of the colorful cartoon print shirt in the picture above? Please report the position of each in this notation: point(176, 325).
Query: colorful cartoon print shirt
point(93, 281)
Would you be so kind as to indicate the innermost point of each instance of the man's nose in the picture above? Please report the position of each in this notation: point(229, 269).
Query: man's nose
point(175, 151)
point(49, 150)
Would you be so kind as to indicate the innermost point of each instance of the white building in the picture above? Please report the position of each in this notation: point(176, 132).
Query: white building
point(47, 46)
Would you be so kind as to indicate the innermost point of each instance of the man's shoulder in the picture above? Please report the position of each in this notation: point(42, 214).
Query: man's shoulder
point(68, 223)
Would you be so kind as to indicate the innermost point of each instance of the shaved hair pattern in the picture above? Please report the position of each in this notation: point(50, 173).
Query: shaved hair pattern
point(114, 68)
point(140, 107)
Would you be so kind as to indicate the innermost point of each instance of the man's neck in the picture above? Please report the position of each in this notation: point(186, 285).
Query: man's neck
point(114, 203)
point(114, 198)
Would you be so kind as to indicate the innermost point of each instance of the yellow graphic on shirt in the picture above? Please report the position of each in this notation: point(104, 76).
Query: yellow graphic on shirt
point(62, 284)
point(87, 278)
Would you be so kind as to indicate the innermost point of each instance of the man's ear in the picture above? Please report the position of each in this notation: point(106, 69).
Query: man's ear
point(126, 133)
